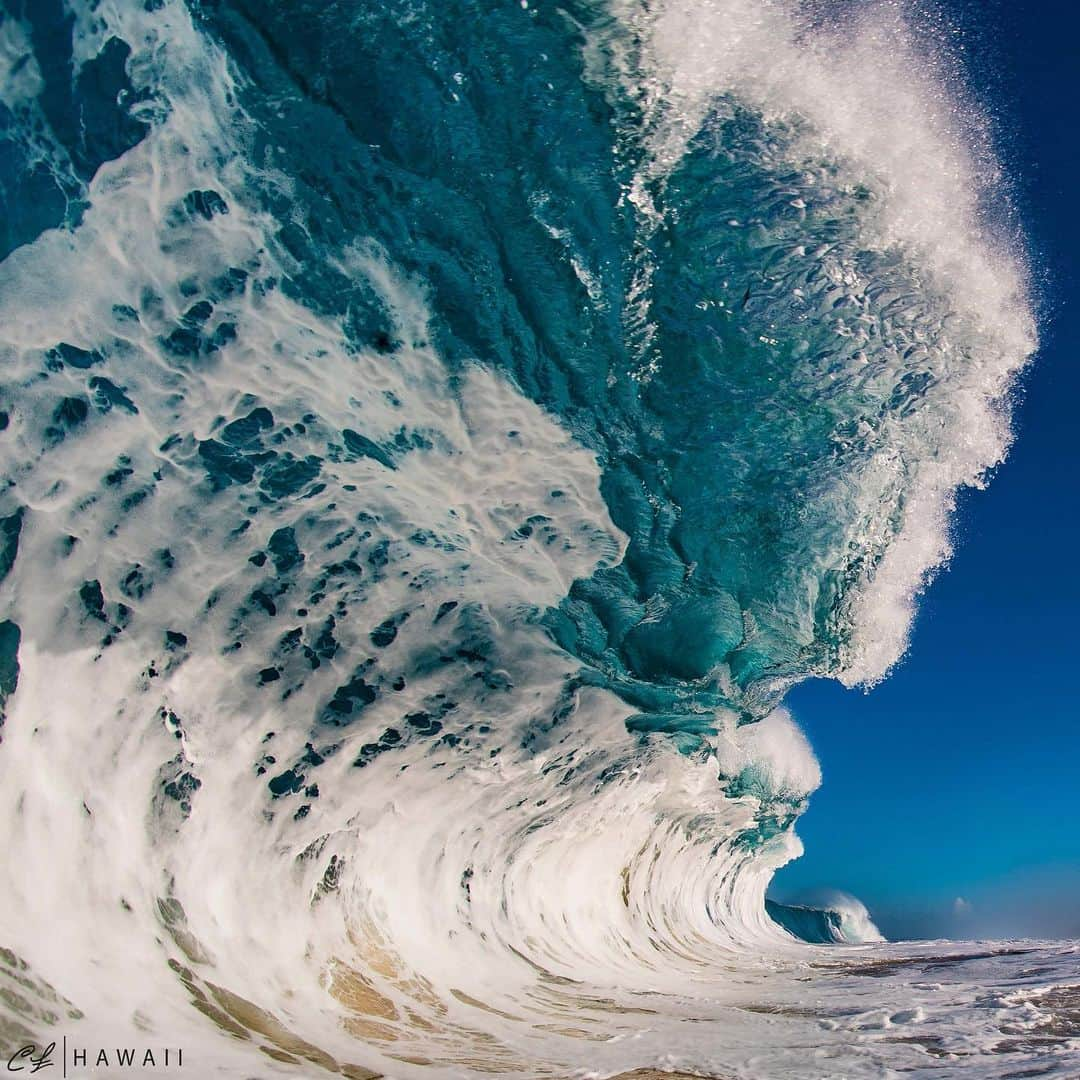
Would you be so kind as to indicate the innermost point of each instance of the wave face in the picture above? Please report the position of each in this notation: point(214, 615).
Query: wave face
point(436, 435)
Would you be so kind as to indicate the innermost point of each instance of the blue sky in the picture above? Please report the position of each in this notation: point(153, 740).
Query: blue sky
point(960, 776)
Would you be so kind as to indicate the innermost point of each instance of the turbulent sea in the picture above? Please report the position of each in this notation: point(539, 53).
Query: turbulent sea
point(434, 436)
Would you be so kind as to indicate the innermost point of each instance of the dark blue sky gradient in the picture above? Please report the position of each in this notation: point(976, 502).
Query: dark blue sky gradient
point(960, 776)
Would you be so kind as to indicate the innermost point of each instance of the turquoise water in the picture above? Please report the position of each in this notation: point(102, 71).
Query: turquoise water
point(437, 437)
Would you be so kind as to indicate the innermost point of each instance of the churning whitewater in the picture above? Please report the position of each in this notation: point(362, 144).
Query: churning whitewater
point(435, 437)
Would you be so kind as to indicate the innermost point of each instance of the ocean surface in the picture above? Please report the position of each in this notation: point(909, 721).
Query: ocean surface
point(434, 438)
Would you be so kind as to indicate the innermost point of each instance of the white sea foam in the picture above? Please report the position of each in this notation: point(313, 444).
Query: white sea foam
point(776, 752)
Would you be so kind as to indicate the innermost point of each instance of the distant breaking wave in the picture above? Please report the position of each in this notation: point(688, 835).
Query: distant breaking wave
point(436, 436)
point(844, 920)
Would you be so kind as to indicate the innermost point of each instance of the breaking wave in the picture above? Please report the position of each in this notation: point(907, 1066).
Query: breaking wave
point(840, 919)
point(435, 438)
